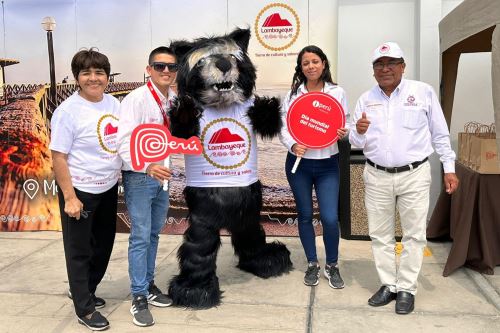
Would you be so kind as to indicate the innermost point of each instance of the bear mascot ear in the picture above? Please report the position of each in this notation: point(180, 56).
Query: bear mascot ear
point(241, 37)
point(180, 48)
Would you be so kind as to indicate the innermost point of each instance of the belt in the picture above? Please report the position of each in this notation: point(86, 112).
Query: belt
point(403, 168)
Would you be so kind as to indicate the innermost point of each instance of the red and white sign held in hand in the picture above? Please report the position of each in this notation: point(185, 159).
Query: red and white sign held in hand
point(313, 121)
point(153, 143)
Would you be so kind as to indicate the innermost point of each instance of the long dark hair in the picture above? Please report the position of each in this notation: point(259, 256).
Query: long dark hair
point(299, 77)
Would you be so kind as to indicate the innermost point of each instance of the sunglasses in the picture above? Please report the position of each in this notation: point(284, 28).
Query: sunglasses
point(160, 66)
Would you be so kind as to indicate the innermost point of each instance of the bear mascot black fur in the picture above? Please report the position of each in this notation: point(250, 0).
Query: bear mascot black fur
point(216, 102)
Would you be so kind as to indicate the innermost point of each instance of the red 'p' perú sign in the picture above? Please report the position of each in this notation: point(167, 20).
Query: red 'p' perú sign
point(153, 142)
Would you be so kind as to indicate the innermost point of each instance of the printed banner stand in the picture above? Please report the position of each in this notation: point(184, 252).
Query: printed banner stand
point(313, 121)
point(153, 143)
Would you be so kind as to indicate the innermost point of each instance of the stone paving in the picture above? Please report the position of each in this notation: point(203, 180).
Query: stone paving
point(33, 293)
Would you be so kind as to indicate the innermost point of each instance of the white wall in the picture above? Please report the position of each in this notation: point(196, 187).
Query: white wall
point(365, 24)
point(473, 94)
point(127, 30)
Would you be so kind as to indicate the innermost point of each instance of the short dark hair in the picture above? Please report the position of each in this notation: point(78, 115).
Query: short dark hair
point(160, 50)
point(85, 59)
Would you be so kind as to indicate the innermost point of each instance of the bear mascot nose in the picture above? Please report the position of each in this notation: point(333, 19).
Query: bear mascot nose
point(223, 64)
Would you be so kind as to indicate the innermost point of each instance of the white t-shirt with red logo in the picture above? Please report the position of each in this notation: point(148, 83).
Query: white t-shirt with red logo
point(229, 155)
point(87, 132)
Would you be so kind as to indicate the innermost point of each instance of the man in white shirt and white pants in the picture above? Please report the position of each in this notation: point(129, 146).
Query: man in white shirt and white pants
point(399, 123)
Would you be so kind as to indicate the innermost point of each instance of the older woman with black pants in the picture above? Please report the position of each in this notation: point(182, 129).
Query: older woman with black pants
point(87, 167)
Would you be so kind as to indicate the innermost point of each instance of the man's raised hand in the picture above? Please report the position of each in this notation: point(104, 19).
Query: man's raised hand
point(362, 124)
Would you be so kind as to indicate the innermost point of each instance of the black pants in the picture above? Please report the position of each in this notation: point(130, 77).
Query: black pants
point(88, 243)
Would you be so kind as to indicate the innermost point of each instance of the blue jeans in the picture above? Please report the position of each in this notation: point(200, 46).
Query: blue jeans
point(147, 205)
point(323, 174)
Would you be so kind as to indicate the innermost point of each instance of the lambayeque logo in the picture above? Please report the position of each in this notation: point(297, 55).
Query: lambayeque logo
point(277, 26)
point(107, 129)
point(224, 139)
point(226, 143)
point(410, 101)
point(384, 49)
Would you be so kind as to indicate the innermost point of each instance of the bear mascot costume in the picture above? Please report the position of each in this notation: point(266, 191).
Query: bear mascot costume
point(216, 102)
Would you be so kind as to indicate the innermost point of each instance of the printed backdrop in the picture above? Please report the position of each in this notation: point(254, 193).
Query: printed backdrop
point(126, 31)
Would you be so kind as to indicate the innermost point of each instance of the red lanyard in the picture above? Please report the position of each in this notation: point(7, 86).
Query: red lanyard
point(166, 122)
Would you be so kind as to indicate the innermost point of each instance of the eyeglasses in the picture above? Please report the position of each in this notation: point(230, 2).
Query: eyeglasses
point(391, 65)
point(160, 66)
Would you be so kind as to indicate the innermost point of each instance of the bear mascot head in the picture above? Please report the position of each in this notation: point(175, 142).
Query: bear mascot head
point(216, 101)
point(217, 72)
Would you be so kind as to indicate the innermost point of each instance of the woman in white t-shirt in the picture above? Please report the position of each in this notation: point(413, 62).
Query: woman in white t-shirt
point(86, 166)
point(318, 168)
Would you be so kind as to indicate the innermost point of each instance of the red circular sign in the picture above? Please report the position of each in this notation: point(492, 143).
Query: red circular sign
point(314, 118)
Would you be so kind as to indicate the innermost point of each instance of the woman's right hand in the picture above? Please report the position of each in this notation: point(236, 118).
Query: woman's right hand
point(299, 150)
point(73, 207)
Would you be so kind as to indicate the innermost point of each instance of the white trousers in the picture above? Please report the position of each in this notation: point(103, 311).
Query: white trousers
point(409, 192)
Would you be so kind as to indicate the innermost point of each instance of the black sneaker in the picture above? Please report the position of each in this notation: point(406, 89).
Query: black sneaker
point(332, 273)
point(140, 311)
point(99, 302)
point(96, 322)
point(312, 275)
point(157, 298)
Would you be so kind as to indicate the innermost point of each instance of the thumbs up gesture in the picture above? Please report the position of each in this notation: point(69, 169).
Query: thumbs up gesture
point(362, 124)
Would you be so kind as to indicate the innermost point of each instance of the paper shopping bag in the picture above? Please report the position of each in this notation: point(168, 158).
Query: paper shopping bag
point(489, 163)
point(464, 141)
point(484, 153)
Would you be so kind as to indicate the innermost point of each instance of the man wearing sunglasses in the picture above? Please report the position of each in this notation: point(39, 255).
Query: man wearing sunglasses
point(147, 202)
point(399, 123)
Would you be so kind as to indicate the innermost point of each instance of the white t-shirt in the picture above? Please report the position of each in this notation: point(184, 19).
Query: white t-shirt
point(229, 149)
point(87, 132)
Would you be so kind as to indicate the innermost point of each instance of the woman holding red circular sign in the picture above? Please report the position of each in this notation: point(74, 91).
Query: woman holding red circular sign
point(319, 168)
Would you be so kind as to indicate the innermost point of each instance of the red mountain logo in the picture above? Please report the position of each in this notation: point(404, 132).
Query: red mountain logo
point(384, 48)
point(275, 20)
point(110, 129)
point(223, 136)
